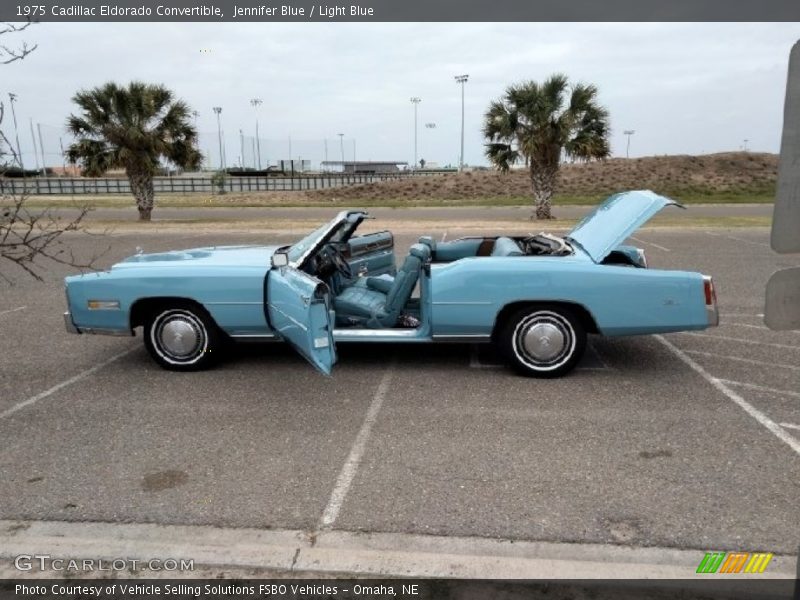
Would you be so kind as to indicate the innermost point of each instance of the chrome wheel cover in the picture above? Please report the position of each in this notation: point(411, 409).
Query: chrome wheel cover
point(544, 340)
point(179, 337)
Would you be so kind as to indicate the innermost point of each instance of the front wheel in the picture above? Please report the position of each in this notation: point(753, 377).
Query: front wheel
point(543, 341)
point(182, 338)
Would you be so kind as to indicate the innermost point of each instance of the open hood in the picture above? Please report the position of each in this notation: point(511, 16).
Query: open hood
point(611, 223)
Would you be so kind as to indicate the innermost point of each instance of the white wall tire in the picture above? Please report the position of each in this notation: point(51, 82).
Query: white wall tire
point(182, 338)
point(543, 340)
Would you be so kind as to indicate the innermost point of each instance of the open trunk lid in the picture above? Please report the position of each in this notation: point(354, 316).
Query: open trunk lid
point(613, 221)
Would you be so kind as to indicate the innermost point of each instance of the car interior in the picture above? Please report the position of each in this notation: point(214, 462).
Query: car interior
point(386, 300)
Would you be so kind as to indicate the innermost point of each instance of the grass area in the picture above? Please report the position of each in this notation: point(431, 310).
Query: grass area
point(285, 200)
point(301, 226)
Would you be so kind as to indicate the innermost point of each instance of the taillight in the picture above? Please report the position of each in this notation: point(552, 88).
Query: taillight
point(708, 289)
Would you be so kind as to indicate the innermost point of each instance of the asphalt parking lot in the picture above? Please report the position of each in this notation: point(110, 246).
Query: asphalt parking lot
point(681, 441)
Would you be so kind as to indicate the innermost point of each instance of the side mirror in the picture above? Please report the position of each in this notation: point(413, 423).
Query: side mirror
point(280, 259)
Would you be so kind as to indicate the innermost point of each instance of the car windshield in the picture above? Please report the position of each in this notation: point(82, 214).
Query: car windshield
point(297, 250)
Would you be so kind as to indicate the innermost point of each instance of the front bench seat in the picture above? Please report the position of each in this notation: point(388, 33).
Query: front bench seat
point(377, 303)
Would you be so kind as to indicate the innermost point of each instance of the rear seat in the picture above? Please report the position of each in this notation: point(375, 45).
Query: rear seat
point(505, 246)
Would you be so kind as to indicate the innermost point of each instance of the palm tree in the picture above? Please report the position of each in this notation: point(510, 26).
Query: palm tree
point(538, 123)
point(132, 127)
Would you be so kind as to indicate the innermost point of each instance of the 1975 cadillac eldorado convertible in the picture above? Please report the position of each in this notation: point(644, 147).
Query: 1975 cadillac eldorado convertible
point(535, 297)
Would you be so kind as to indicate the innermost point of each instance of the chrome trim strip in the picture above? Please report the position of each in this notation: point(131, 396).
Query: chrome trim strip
point(70, 326)
point(464, 303)
point(102, 331)
point(370, 333)
point(236, 303)
point(463, 337)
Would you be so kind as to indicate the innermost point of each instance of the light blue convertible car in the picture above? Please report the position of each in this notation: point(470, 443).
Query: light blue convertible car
point(536, 297)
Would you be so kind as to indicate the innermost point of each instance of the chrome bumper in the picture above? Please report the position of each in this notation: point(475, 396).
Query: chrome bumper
point(71, 328)
point(69, 324)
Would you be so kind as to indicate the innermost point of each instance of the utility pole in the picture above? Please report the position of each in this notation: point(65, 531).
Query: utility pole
point(415, 101)
point(41, 148)
point(63, 155)
point(35, 150)
point(629, 133)
point(18, 151)
point(326, 152)
point(241, 149)
point(217, 110)
point(255, 103)
point(462, 79)
point(341, 146)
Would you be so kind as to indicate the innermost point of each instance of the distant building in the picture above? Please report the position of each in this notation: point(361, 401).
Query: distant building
point(365, 166)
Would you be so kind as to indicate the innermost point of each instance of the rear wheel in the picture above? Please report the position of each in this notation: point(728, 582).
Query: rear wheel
point(543, 340)
point(182, 338)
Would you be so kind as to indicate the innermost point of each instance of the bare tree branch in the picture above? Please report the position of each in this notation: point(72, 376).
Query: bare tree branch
point(10, 54)
point(30, 239)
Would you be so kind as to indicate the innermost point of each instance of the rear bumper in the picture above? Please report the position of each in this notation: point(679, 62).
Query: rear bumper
point(712, 311)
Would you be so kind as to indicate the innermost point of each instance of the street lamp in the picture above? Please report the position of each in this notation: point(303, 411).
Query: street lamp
point(745, 144)
point(217, 110)
point(341, 146)
point(415, 101)
point(462, 79)
point(255, 103)
point(18, 153)
point(629, 133)
point(427, 126)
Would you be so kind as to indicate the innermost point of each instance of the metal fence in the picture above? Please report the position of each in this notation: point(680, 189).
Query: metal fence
point(187, 185)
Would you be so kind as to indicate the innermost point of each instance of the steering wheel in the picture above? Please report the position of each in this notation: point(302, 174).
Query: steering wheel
point(340, 262)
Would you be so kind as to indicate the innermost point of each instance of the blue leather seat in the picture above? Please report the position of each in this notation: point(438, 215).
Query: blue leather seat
point(377, 302)
point(505, 246)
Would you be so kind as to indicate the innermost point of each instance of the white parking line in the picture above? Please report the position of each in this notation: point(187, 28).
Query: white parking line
point(761, 327)
point(49, 392)
point(444, 236)
point(733, 237)
point(651, 244)
point(741, 315)
point(789, 425)
point(348, 472)
point(749, 361)
point(760, 417)
point(741, 341)
point(5, 312)
point(760, 388)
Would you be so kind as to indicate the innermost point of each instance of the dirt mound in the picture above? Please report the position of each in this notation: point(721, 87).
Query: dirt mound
point(731, 172)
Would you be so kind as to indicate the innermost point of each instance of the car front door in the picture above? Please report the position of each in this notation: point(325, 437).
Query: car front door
point(298, 308)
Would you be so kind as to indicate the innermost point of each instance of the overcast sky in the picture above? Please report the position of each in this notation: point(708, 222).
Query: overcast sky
point(684, 88)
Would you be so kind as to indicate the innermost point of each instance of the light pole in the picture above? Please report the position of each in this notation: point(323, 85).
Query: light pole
point(255, 103)
point(745, 144)
point(217, 110)
point(341, 147)
point(427, 126)
point(18, 152)
point(629, 133)
point(415, 101)
point(462, 79)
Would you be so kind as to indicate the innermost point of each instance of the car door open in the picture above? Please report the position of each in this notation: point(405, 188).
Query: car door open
point(298, 308)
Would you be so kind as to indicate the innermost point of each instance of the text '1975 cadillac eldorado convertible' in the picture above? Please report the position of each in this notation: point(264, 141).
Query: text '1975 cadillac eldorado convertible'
point(536, 297)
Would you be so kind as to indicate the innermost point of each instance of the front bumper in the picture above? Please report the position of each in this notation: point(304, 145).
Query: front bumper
point(72, 328)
